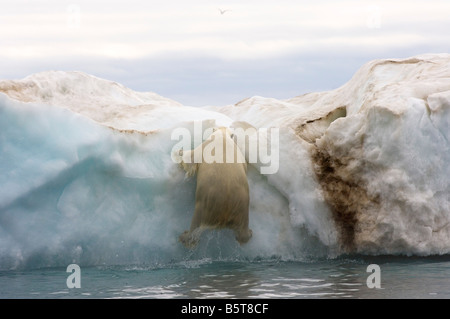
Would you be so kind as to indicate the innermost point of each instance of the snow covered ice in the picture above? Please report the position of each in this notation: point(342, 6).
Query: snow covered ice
point(87, 176)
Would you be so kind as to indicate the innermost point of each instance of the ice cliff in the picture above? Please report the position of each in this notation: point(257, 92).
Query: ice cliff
point(87, 175)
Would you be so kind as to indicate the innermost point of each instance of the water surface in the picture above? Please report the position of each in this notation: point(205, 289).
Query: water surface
point(337, 278)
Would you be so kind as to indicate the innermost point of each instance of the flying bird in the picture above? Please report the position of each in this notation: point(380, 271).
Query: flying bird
point(223, 11)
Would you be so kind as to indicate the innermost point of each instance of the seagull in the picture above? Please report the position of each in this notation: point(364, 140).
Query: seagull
point(223, 11)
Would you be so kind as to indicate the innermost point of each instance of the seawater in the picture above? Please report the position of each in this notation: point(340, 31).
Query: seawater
point(341, 278)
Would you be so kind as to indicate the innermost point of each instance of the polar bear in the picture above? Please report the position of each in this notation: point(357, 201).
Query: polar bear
point(222, 193)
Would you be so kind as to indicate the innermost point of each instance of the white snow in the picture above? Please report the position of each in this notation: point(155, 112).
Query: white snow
point(87, 174)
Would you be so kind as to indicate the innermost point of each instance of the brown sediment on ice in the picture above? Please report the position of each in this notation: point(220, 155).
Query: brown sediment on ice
point(18, 91)
point(131, 131)
point(345, 193)
point(340, 178)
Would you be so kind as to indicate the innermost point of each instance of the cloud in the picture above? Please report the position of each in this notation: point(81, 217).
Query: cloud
point(188, 51)
point(249, 30)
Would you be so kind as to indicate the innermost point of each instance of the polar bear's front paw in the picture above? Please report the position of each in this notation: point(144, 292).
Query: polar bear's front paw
point(177, 156)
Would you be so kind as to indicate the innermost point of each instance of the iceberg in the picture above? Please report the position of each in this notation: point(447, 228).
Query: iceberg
point(88, 176)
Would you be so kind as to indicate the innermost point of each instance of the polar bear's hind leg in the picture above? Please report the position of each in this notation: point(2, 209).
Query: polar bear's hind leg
point(243, 235)
point(190, 239)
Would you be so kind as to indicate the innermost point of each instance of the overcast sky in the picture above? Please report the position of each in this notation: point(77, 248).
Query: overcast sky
point(190, 52)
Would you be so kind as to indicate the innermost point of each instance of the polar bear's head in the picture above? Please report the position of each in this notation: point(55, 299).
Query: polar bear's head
point(220, 132)
point(220, 147)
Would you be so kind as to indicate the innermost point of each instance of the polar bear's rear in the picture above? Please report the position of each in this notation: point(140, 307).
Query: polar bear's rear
point(222, 194)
